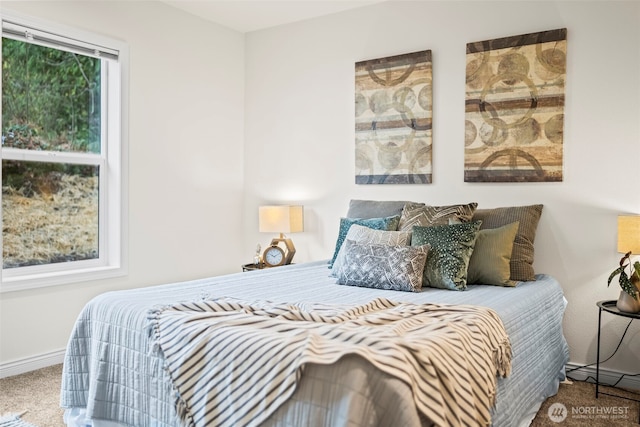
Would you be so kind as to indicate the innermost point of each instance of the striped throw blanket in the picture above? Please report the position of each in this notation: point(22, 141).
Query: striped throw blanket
point(233, 363)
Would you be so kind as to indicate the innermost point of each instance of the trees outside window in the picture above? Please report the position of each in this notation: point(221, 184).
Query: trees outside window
point(62, 199)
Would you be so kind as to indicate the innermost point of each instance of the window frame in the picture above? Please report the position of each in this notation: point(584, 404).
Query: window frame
point(112, 160)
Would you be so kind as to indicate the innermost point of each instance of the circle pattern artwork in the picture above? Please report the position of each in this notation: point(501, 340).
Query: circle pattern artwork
point(514, 116)
point(393, 112)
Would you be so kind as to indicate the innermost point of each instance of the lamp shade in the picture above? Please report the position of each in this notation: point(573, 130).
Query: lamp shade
point(629, 234)
point(281, 219)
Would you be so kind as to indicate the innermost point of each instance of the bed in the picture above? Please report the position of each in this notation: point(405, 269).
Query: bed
point(114, 374)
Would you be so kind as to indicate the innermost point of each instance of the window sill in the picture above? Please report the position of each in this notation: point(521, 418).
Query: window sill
point(41, 280)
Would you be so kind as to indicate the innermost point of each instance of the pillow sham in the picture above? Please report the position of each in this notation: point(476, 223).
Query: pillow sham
point(362, 234)
point(448, 259)
point(424, 215)
point(491, 257)
point(398, 268)
point(376, 208)
point(387, 223)
point(521, 264)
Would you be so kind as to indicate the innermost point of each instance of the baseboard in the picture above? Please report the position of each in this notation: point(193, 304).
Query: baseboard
point(607, 376)
point(31, 363)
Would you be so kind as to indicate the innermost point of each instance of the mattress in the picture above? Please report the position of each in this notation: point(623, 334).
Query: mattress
point(113, 376)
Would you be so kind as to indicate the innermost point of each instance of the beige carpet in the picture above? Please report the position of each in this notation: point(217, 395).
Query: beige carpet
point(576, 404)
point(38, 393)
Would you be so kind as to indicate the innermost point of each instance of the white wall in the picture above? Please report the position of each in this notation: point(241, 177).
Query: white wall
point(300, 133)
point(186, 106)
point(196, 98)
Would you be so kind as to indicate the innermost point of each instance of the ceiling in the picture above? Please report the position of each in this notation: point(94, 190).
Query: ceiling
point(251, 15)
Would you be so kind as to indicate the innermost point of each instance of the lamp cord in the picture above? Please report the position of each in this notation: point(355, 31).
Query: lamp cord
point(614, 385)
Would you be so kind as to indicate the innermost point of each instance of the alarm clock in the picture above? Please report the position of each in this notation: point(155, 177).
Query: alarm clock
point(273, 256)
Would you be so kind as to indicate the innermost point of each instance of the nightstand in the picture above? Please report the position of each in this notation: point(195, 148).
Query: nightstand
point(610, 307)
point(261, 266)
point(252, 266)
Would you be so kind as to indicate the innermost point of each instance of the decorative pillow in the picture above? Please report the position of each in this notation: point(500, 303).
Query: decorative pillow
point(425, 216)
point(521, 263)
point(448, 259)
point(399, 268)
point(362, 235)
point(489, 263)
point(387, 223)
point(376, 208)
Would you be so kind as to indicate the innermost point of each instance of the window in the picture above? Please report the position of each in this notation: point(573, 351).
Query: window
point(62, 155)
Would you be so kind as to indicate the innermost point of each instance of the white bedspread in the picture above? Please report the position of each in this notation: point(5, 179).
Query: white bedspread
point(112, 371)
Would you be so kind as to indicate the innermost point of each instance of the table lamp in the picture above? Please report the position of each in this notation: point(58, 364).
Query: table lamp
point(628, 244)
point(629, 234)
point(281, 219)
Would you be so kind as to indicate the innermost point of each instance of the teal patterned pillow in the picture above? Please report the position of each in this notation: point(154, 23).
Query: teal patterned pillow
point(451, 249)
point(387, 223)
point(397, 268)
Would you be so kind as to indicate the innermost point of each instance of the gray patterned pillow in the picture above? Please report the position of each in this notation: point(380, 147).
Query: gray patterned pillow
point(451, 249)
point(366, 235)
point(425, 216)
point(398, 268)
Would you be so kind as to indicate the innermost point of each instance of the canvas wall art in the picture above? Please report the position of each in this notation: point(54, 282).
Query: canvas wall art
point(393, 113)
point(514, 108)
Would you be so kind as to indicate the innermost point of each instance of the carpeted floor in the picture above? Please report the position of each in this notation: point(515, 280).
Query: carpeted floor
point(575, 405)
point(38, 393)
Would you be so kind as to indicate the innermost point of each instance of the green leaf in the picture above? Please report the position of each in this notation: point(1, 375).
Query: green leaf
point(627, 286)
point(614, 274)
point(624, 259)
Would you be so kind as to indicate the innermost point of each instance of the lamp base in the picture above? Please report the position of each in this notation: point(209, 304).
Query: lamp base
point(289, 251)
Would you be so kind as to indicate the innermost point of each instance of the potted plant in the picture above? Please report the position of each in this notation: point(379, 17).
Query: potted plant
point(629, 300)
